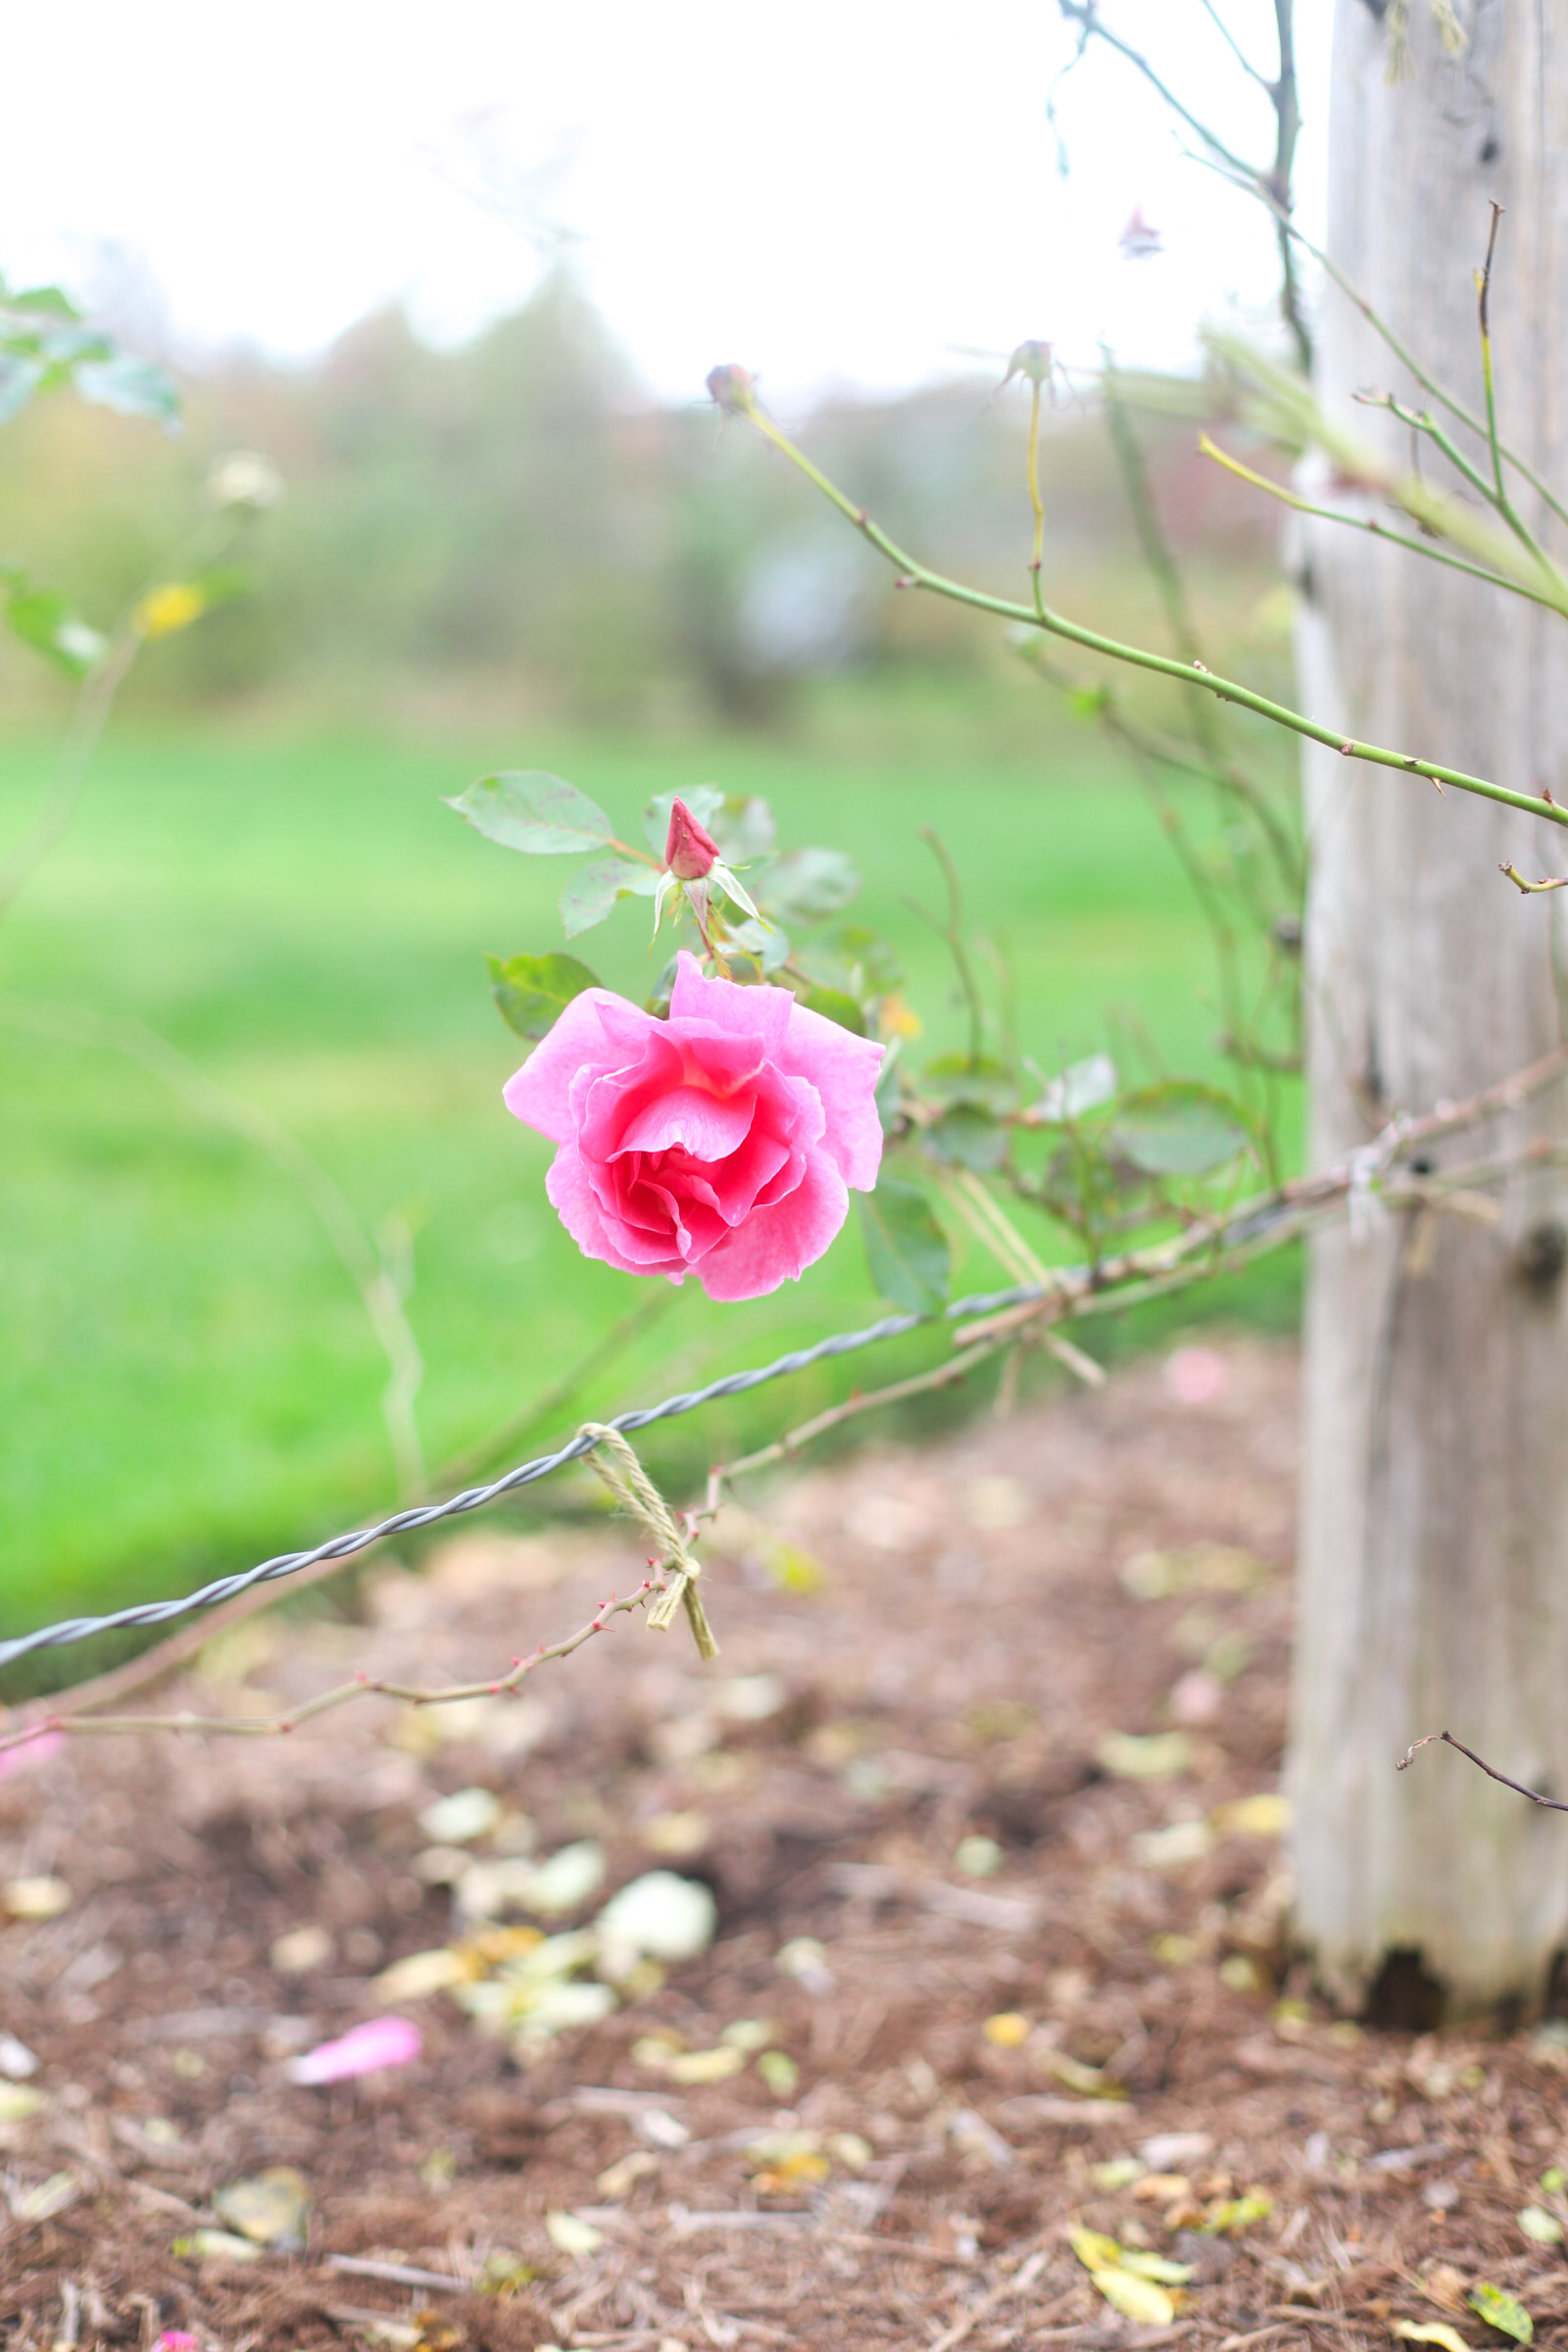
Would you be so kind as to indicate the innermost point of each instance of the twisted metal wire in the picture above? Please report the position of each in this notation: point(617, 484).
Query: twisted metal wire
point(474, 1499)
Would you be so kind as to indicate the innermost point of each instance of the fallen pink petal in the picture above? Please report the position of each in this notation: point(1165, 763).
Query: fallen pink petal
point(37, 1750)
point(1196, 1376)
point(384, 2042)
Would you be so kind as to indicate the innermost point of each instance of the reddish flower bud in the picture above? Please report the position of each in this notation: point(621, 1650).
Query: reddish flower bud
point(734, 389)
point(689, 849)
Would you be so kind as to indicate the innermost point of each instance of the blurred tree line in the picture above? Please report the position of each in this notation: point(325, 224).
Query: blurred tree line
point(512, 520)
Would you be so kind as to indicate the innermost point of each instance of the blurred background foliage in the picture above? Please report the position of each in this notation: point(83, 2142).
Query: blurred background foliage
point(509, 519)
point(501, 555)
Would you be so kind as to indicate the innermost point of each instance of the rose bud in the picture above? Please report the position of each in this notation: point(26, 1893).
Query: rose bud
point(689, 848)
point(733, 389)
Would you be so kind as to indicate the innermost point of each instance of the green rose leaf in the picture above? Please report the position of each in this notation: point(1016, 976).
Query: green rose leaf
point(1180, 1128)
point(809, 882)
point(1082, 1085)
point(130, 386)
point(53, 627)
point(532, 992)
point(968, 1137)
point(834, 1005)
point(53, 301)
point(542, 816)
point(19, 379)
point(906, 1248)
point(983, 1082)
point(594, 889)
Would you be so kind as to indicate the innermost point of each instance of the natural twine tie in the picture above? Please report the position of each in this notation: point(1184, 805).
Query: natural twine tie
point(628, 1481)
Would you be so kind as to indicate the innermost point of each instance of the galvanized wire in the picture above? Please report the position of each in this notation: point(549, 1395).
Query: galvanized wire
point(474, 1499)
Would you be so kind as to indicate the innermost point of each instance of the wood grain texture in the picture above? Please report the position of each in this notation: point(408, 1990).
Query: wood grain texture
point(1434, 1556)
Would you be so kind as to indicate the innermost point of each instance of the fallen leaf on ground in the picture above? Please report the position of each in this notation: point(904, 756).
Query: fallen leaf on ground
point(215, 2246)
point(1543, 2227)
point(34, 1899)
point(1436, 2332)
point(459, 1819)
point(571, 2236)
point(16, 2059)
point(1140, 1756)
point(273, 2209)
point(660, 1916)
point(1267, 1815)
point(1501, 2311)
point(1094, 2249)
point(779, 2072)
point(1136, 2298)
point(49, 2197)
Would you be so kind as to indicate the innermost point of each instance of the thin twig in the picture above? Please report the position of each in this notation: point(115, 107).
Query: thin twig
point(1002, 2292)
point(342, 1694)
point(1550, 1804)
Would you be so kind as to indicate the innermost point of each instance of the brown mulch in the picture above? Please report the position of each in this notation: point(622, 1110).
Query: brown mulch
point(956, 1632)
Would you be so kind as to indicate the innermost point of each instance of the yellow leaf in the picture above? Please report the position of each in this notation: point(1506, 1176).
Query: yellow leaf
point(1157, 2266)
point(1094, 2249)
point(1437, 2333)
point(1006, 2030)
point(704, 2066)
point(801, 2168)
point(1087, 2081)
point(421, 1974)
point(166, 610)
point(1135, 2298)
point(572, 2236)
point(1267, 1815)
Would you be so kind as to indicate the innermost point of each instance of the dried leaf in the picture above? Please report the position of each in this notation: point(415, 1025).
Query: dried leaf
point(1140, 2299)
point(49, 2197)
point(271, 2209)
point(696, 2066)
point(1094, 2249)
point(1436, 2332)
point(1156, 1756)
point(1543, 2227)
point(421, 1974)
point(571, 2235)
point(35, 1899)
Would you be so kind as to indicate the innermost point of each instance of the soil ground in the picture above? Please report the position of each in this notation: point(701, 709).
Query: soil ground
point(969, 1787)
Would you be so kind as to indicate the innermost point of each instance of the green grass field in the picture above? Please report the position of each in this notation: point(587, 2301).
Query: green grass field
point(187, 1379)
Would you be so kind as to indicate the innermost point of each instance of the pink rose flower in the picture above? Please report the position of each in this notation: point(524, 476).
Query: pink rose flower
point(718, 1143)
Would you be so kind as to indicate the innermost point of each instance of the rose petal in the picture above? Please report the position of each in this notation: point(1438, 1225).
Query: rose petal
point(761, 1013)
point(775, 1244)
point(599, 1030)
point(843, 1068)
point(37, 1751)
point(365, 2051)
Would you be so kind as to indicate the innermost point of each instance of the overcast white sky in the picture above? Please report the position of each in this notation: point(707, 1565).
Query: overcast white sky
point(831, 191)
